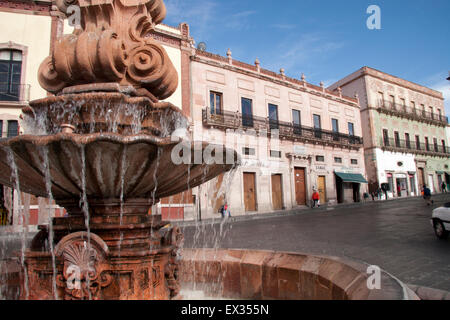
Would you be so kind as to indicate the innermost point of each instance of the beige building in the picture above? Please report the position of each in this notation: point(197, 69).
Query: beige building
point(293, 137)
point(404, 129)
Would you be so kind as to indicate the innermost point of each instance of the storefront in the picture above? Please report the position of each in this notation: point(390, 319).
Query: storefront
point(348, 186)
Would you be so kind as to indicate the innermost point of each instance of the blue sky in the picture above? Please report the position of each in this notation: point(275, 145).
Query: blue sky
point(326, 39)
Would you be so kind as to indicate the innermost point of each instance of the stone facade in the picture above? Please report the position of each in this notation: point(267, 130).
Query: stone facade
point(404, 129)
point(317, 155)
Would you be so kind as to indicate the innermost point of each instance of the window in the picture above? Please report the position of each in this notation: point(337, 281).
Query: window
point(439, 114)
point(1, 128)
point(423, 110)
point(381, 99)
point(248, 151)
point(407, 141)
point(397, 139)
point(10, 74)
point(317, 126)
point(13, 128)
point(436, 147)
point(275, 154)
point(297, 121)
point(354, 161)
point(413, 106)
point(431, 112)
point(403, 102)
point(392, 102)
point(444, 148)
point(427, 144)
point(320, 158)
point(386, 137)
point(351, 129)
point(273, 116)
point(418, 143)
point(247, 113)
point(215, 102)
point(335, 126)
point(337, 160)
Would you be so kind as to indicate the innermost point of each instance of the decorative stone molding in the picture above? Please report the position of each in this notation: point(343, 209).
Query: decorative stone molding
point(84, 273)
point(106, 50)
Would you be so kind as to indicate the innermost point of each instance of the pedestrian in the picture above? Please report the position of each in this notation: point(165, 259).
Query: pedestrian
point(316, 199)
point(227, 211)
point(379, 193)
point(427, 195)
point(444, 187)
point(222, 211)
point(366, 196)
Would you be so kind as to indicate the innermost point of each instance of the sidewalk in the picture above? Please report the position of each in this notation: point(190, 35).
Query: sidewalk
point(438, 198)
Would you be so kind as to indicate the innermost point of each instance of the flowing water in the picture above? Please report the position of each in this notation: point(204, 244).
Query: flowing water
point(171, 123)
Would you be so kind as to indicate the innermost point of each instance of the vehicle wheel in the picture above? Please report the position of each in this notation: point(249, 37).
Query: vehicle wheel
point(440, 231)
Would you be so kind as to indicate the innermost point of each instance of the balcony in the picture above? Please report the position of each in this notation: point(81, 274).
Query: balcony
point(18, 93)
point(398, 110)
point(288, 131)
point(414, 147)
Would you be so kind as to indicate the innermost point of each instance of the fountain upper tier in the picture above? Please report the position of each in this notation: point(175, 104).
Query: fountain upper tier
point(112, 44)
point(105, 166)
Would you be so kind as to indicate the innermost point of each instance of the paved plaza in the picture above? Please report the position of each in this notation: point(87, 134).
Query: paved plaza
point(395, 235)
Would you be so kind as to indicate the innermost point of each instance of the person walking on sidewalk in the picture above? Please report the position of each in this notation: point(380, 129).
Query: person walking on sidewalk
point(427, 195)
point(316, 199)
point(444, 187)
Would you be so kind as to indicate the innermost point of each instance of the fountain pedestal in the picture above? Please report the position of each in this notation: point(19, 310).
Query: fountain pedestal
point(133, 257)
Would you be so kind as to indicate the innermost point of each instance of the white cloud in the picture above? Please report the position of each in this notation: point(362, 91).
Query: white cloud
point(200, 14)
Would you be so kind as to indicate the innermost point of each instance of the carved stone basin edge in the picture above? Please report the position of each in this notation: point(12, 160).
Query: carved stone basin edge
point(270, 275)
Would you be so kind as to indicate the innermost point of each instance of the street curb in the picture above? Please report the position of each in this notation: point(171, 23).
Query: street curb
point(425, 293)
point(285, 213)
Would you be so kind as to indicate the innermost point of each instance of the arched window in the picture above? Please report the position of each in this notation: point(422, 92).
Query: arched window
point(10, 74)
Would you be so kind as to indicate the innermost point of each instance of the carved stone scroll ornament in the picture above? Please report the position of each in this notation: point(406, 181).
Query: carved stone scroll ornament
point(105, 49)
point(83, 275)
point(173, 238)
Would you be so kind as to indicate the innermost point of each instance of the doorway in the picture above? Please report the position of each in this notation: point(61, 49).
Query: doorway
point(277, 193)
point(250, 192)
point(421, 177)
point(356, 194)
point(322, 186)
point(300, 186)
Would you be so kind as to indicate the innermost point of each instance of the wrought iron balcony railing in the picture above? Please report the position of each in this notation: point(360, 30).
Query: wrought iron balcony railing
point(286, 130)
point(415, 147)
point(411, 113)
point(14, 92)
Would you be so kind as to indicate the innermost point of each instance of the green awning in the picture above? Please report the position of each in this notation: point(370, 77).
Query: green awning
point(351, 177)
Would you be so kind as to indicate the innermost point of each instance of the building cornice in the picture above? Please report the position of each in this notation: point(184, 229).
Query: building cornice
point(367, 71)
point(270, 76)
point(26, 7)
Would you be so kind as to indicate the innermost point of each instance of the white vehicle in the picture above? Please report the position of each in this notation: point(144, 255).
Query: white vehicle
point(441, 221)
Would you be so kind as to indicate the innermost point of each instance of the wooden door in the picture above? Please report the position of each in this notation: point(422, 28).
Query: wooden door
point(277, 196)
point(322, 186)
point(249, 192)
point(300, 186)
point(421, 177)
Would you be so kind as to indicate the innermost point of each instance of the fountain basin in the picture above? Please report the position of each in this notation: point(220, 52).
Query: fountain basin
point(269, 275)
point(109, 168)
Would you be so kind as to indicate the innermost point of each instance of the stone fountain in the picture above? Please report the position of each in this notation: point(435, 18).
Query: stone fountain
point(102, 148)
point(103, 152)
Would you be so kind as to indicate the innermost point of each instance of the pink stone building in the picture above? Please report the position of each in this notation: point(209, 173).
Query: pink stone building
point(293, 137)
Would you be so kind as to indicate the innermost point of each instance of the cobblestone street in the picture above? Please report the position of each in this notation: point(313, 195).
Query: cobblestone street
point(395, 235)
